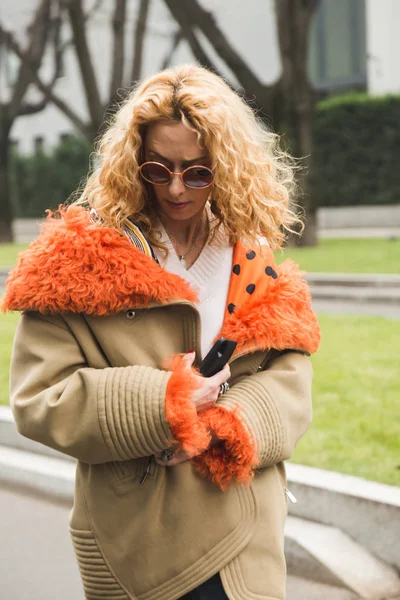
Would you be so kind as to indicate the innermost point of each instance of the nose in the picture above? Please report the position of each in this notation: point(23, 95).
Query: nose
point(176, 187)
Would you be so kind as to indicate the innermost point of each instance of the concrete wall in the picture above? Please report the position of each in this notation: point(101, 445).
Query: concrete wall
point(383, 46)
point(346, 217)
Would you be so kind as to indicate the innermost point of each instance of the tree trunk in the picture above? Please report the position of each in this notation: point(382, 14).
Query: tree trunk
point(6, 232)
point(299, 101)
point(84, 56)
point(138, 47)
point(118, 51)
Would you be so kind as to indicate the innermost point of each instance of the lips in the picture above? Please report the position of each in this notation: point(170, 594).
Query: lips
point(177, 205)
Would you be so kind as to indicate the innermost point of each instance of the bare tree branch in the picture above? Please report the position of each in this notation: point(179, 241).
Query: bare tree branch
point(176, 40)
point(58, 50)
point(63, 106)
point(186, 24)
point(118, 52)
point(29, 108)
point(204, 20)
point(140, 33)
point(37, 40)
point(87, 17)
point(76, 16)
point(38, 33)
point(94, 8)
point(45, 88)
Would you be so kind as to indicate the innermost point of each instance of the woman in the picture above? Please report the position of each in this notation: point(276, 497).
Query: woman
point(180, 484)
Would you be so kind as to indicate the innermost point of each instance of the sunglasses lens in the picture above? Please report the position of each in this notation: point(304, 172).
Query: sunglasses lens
point(198, 177)
point(155, 173)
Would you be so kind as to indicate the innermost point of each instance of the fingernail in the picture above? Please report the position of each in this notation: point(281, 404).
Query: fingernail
point(191, 352)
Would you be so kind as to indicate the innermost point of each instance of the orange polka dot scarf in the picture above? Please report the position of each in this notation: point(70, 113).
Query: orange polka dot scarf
point(251, 276)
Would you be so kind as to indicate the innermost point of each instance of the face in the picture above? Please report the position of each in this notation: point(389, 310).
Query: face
point(175, 146)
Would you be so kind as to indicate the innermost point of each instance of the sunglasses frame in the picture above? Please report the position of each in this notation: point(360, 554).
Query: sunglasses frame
point(172, 173)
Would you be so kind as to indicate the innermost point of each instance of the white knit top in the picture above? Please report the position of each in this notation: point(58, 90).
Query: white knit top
point(209, 276)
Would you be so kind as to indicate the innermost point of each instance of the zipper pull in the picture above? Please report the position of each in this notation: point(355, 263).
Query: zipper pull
point(291, 496)
point(146, 473)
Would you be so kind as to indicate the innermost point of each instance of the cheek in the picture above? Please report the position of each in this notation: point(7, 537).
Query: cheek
point(200, 197)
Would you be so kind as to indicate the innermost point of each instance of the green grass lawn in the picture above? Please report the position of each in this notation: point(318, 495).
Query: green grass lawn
point(348, 256)
point(9, 252)
point(331, 255)
point(356, 399)
point(356, 396)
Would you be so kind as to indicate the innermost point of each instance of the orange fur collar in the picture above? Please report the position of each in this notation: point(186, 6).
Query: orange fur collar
point(82, 267)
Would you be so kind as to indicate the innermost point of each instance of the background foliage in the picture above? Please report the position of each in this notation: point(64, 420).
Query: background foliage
point(46, 179)
point(357, 141)
point(357, 138)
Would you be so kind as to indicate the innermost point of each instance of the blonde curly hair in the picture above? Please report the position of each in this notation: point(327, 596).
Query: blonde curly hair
point(253, 179)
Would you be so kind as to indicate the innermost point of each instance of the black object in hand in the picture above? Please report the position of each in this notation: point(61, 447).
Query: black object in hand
point(218, 356)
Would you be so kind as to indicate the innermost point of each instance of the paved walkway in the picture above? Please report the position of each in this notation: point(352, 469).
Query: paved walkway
point(37, 561)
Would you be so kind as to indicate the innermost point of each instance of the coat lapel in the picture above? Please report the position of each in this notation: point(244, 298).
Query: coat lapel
point(79, 266)
point(83, 267)
point(268, 306)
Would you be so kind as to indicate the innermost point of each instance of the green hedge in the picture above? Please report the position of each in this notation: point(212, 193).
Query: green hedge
point(45, 180)
point(357, 148)
point(356, 157)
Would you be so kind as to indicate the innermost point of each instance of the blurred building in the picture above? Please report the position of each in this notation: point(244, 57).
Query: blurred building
point(353, 45)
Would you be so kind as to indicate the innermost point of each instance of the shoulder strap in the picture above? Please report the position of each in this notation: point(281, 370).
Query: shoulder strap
point(133, 233)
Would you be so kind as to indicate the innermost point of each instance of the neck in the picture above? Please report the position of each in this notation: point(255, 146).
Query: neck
point(184, 232)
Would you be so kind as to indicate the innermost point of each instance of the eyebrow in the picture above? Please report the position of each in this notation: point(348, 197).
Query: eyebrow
point(184, 162)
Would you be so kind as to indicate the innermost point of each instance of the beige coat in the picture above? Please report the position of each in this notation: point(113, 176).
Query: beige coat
point(99, 318)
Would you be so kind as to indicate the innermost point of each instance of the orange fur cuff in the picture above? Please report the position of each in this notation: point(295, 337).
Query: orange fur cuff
point(191, 433)
point(235, 457)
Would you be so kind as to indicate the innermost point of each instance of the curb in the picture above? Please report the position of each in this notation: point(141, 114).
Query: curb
point(379, 288)
point(50, 477)
point(355, 279)
point(390, 233)
point(338, 560)
point(369, 512)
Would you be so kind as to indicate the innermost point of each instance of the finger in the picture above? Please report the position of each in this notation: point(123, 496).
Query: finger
point(189, 358)
point(221, 376)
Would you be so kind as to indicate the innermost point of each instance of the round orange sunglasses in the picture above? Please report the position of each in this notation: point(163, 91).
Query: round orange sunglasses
point(195, 177)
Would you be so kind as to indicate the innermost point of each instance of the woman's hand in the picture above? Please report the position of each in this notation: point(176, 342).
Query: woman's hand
point(208, 391)
point(203, 398)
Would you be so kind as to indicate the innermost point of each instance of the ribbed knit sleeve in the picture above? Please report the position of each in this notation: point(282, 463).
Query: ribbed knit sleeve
point(94, 415)
point(131, 410)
